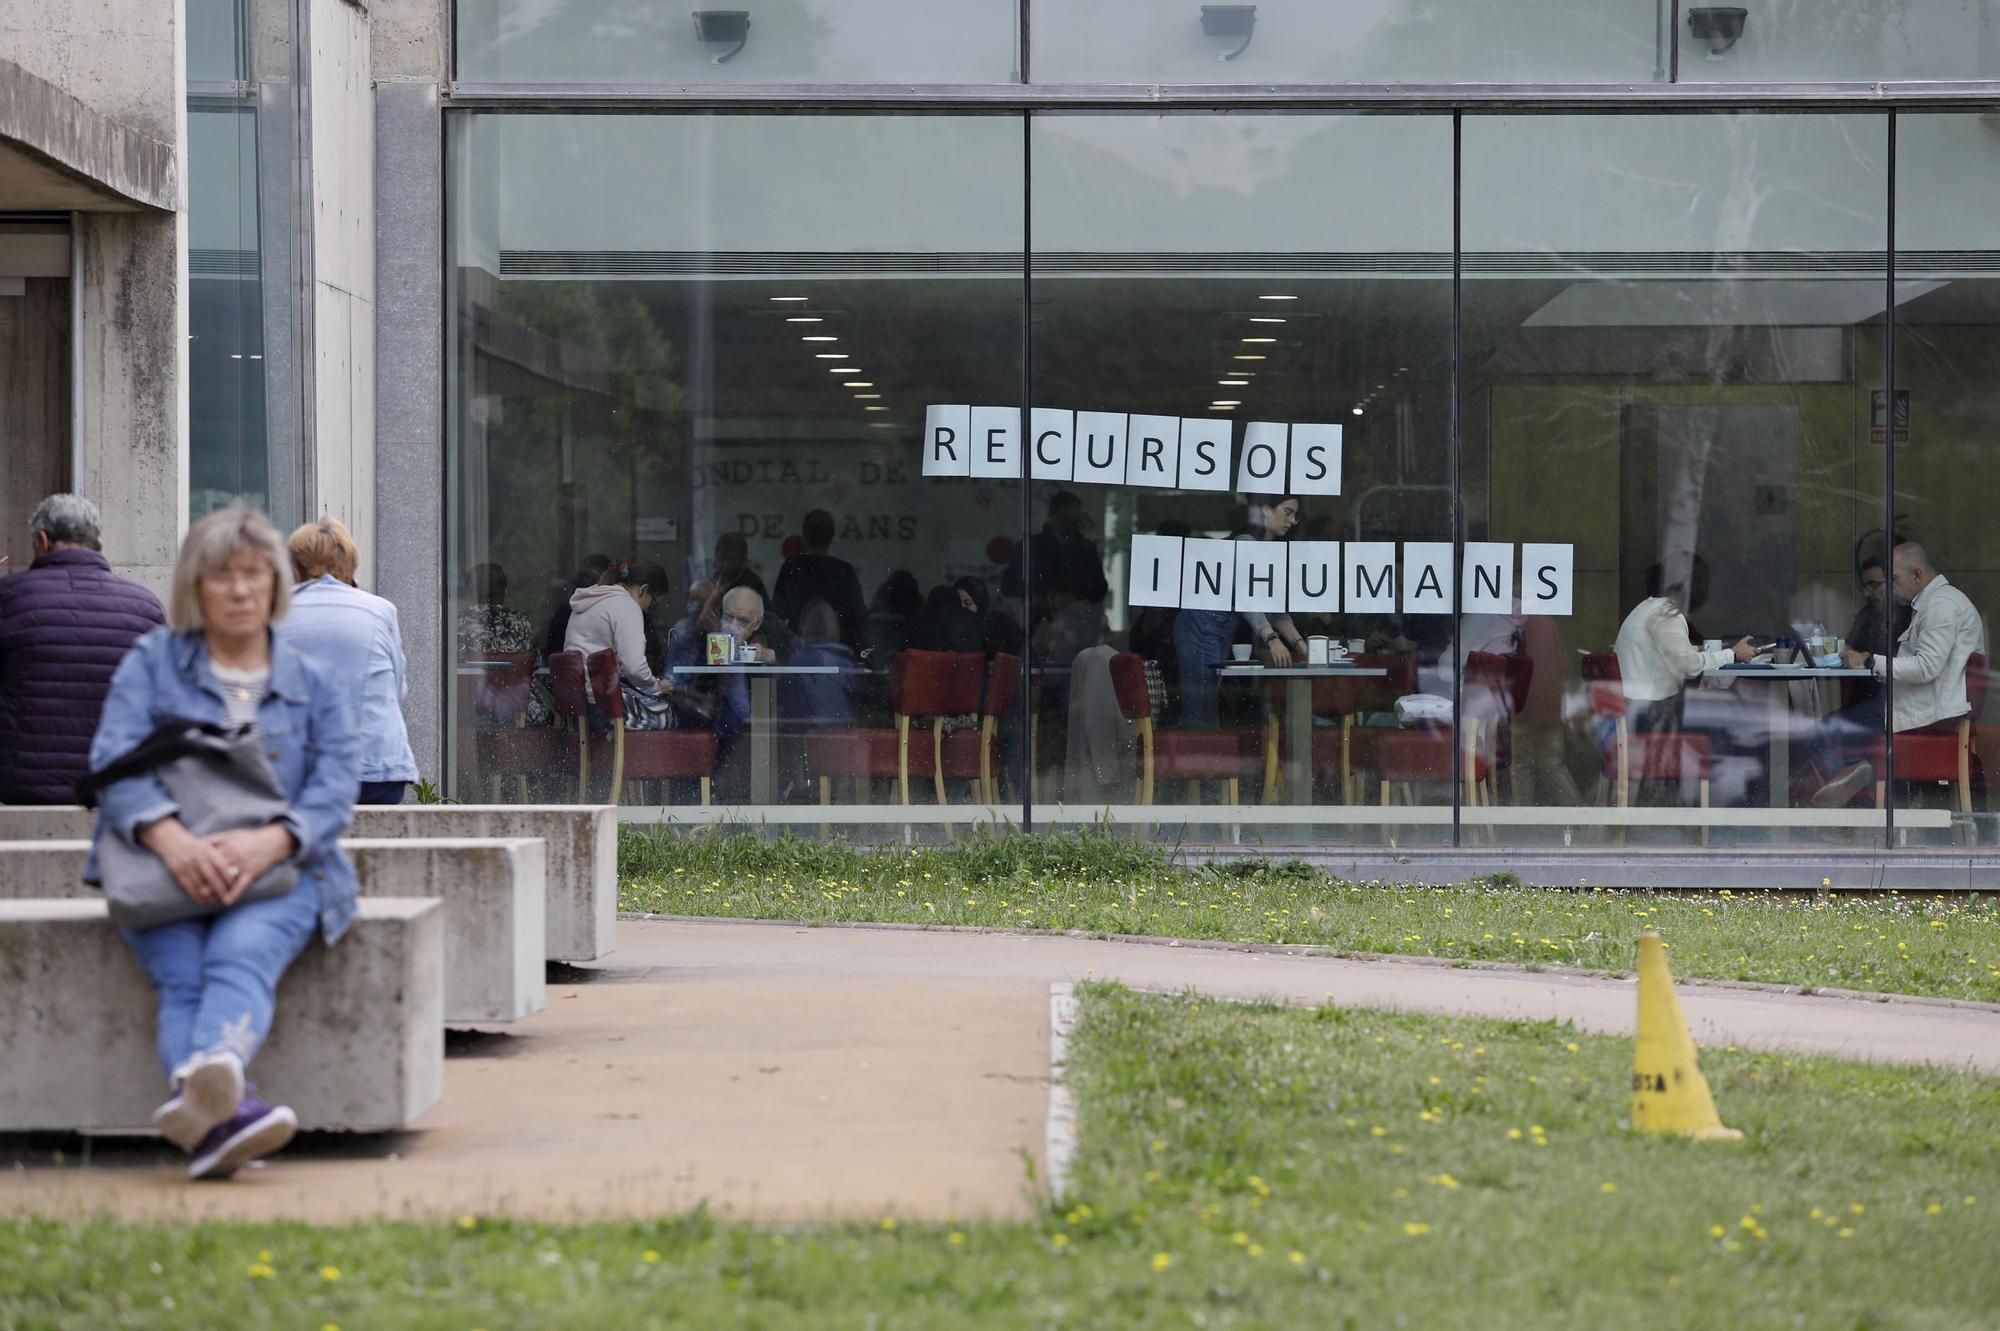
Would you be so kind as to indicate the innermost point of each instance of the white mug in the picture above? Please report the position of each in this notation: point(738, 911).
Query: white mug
point(746, 652)
point(1240, 651)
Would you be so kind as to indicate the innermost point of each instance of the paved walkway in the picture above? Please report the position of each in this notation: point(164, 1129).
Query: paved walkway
point(786, 1074)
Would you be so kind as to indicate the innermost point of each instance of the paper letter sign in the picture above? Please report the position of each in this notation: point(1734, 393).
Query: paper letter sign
point(1315, 578)
point(1050, 450)
point(1262, 470)
point(1548, 579)
point(1156, 570)
point(996, 441)
point(1316, 459)
point(1260, 576)
point(1153, 451)
point(1427, 577)
point(1208, 574)
point(1371, 577)
point(947, 446)
point(1100, 448)
point(1204, 454)
point(1488, 583)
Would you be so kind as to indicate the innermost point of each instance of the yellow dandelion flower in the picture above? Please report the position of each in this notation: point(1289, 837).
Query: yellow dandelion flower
point(1933, 1209)
point(1970, 1200)
point(1295, 1257)
point(1158, 1146)
point(1513, 1134)
point(1378, 1131)
point(467, 1222)
point(1846, 1232)
point(1059, 1240)
point(329, 1273)
point(1857, 1208)
point(1240, 1239)
point(888, 1223)
point(955, 1238)
point(1716, 1231)
point(260, 1271)
point(1607, 1186)
point(1255, 1250)
point(1416, 1228)
point(1161, 1261)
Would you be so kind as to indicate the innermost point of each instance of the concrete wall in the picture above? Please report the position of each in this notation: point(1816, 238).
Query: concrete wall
point(409, 44)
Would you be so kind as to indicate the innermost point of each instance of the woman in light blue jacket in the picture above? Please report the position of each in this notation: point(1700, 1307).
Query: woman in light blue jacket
point(223, 660)
point(355, 633)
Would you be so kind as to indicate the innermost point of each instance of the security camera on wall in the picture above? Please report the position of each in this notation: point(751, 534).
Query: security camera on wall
point(1720, 27)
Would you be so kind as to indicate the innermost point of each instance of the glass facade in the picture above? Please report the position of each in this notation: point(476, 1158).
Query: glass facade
point(1415, 477)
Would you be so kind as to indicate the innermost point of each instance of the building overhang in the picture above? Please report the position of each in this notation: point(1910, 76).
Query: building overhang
point(56, 154)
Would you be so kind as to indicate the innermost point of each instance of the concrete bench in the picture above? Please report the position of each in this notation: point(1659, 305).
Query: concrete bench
point(582, 854)
point(493, 893)
point(358, 1043)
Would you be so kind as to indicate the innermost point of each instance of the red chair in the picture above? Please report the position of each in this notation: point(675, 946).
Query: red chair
point(572, 705)
point(1940, 757)
point(1179, 755)
point(518, 749)
point(932, 684)
point(1647, 756)
point(643, 755)
point(1407, 757)
point(968, 755)
point(1355, 746)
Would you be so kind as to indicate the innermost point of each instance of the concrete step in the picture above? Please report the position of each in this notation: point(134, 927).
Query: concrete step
point(358, 1043)
point(493, 891)
point(582, 855)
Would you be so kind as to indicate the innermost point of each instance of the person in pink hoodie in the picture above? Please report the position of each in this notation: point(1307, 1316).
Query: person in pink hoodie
point(613, 614)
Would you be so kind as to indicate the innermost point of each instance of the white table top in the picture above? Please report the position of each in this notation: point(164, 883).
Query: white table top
point(1785, 672)
point(1303, 672)
point(745, 668)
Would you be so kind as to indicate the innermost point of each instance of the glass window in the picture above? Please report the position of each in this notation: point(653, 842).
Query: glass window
point(1241, 360)
point(1947, 397)
point(1830, 40)
point(799, 41)
point(1674, 375)
point(1380, 41)
point(691, 361)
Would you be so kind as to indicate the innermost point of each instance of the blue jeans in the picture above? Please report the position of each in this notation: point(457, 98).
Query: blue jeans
point(1201, 638)
point(217, 977)
point(381, 792)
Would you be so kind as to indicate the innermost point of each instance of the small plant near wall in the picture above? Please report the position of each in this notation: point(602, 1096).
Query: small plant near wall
point(427, 791)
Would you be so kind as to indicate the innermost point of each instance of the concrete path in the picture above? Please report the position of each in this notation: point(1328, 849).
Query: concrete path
point(785, 1074)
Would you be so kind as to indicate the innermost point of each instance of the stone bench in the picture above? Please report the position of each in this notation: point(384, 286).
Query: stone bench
point(493, 893)
point(358, 1043)
point(581, 840)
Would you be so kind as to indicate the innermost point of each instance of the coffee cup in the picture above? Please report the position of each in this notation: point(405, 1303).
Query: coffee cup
point(1240, 651)
point(1356, 646)
point(746, 653)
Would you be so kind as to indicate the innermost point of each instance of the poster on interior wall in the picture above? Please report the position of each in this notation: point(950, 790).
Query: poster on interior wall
point(886, 514)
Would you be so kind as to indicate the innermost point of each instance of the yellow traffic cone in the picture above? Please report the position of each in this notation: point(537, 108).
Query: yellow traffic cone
point(1669, 1094)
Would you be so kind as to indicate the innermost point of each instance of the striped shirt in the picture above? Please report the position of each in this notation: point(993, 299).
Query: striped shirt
point(242, 692)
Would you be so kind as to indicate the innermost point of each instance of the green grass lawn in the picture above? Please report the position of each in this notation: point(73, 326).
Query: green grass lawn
point(1946, 946)
point(1241, 1166)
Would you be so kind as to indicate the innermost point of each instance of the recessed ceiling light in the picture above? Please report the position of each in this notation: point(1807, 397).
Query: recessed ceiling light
point(874, 408)
point(788, 298)
point(1357, 411)
point(843, 369)
point(820, 337)
point(1246, 357)
point(881, 425)
point(1277, 298)
point(828, 355)
point(1260, 339)
point(1265, 319)
point(866, 397)
point(1230, 402)
point(1402, 369)
point(1379, 387)
point(858, 383)
point(1234, 383)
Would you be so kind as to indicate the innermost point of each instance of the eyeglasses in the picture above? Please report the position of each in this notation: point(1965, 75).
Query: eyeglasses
point(1873, 585)
point(238, 577)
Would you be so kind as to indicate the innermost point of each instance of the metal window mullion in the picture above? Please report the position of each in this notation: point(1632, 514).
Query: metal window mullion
point(1026, 700)
point(1889, 489)
point(1454, 479)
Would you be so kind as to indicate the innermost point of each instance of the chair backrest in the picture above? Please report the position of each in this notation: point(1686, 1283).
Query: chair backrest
point(1601, 678)
point(566, 684)
point(1003, 682)
point(1520, 679)
point(520, 665)
point(936, 683)
point(1128, 681)
point(1976, 680)
point(601, 668)
point(1336, 696)
point(1485, 687)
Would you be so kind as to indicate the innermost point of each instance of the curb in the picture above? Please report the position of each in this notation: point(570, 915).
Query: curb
point(1335, 953)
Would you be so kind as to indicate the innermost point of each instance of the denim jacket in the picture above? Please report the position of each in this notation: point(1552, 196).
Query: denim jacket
point(309, 735)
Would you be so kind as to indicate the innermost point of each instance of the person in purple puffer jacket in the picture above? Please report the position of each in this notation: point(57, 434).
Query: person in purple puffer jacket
point(66, 621)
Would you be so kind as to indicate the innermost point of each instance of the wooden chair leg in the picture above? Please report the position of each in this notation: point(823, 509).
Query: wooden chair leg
point(583, 760)
point(1388, 828)
point(1271, 787)
point(937, 760)
point(1704, 813)
point(1964, 767)
point(617, 759)
point(1234, 787)
point(988, 792)
point(706, 783)
point(903, 757)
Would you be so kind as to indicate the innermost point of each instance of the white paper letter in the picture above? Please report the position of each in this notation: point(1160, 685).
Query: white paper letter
point(1316, 459)
point(1260, 576)
point(996, 441)
point(1053, 432)
point(947, 450)
point(1315, 580)
point(1262, 470)
point(1427, 580)
point(1488, 588)
point(1100, 448)
point(1548, 579)
point(1371, 577)
point(1153, 449)
point(1156, 570)
point(1208, 573)
point(1205, 454)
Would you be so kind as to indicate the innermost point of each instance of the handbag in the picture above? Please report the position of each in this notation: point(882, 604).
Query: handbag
point(221, 780)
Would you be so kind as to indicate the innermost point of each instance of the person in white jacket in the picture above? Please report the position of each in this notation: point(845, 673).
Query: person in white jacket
point(613, 614)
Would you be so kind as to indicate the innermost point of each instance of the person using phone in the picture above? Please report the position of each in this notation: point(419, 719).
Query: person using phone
point(1658, 653)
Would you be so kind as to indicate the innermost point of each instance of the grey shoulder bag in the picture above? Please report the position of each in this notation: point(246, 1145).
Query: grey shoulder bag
point(219, 777)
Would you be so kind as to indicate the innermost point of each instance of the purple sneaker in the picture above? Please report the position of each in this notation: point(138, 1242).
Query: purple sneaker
point(255, 1130)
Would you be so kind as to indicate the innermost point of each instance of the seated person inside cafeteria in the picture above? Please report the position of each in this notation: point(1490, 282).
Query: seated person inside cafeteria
point(1928, 666)
point(1877, 624)
point(612, 614)
point(1658, 653)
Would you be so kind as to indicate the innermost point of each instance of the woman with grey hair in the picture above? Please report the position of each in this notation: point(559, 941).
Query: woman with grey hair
point(224, 659)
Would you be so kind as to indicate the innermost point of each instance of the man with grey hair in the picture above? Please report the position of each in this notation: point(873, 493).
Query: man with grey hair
point(66, 621)
point(1928, 667)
